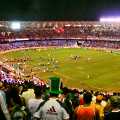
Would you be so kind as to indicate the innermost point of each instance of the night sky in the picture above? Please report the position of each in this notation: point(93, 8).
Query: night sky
point(57, 9)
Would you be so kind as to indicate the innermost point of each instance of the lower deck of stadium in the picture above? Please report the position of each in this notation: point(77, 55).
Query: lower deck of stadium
point(114, 44)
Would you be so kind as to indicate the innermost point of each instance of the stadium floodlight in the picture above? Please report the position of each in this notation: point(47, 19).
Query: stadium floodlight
point(110, 19)
point(15, 26)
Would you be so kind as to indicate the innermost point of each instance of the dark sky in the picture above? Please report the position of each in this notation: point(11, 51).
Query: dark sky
point(57, 9)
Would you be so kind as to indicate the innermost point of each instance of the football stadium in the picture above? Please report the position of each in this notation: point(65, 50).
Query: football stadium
point(59, 59)
point(60, 70)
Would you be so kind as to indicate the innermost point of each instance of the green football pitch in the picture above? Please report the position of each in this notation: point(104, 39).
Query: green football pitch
point(77, 67)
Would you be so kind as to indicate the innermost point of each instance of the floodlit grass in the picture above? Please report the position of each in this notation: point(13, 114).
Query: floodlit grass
point(93, 70)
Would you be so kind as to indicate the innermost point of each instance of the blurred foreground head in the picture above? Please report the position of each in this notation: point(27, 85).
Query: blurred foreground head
point(115, 101)
point(87, 97)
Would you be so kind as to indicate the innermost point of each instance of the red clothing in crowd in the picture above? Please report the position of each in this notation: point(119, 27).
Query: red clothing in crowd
point(85, 112)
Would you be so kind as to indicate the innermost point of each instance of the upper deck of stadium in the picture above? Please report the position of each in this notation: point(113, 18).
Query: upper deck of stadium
point(60, 29)
point(28, 25)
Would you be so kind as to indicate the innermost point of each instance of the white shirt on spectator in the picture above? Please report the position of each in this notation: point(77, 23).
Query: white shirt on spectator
point(52, 110)
point(33, 104)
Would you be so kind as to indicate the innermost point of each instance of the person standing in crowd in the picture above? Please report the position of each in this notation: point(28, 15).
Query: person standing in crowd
point(99, 107)
point(17, 110)
point(86, 111)
point(52, 109)
point(4, 113)
point(33, 103)
point(29, 93)
point(70, 100)
point(114, 112)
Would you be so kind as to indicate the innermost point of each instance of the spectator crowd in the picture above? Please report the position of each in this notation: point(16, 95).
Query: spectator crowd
point(43, 30)
point(61, 43)
point(29, 101)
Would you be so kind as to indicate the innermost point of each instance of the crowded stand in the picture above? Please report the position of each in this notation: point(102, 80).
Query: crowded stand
point(29, 101)
point(34, 99)
point(61, 43)
point(39, 30)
